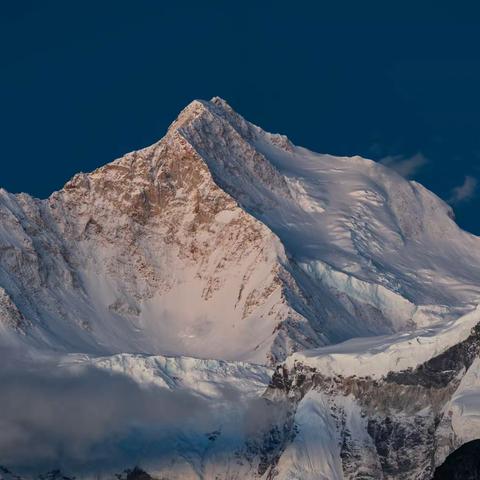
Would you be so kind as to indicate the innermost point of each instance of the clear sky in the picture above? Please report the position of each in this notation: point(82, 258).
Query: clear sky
point(83, 82)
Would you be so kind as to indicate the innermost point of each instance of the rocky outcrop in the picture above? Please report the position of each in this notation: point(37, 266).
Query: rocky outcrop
point(396, 418)
point(10, 315)
point(135, 473)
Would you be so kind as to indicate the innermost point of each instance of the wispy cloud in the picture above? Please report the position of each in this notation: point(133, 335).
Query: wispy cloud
point(405, 166)
point(464, 192)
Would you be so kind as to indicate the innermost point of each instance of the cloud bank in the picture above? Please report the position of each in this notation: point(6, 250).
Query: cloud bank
point(54, 417)
point(85, 420)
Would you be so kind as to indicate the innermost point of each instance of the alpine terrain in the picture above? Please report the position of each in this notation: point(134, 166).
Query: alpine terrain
point(226, 305)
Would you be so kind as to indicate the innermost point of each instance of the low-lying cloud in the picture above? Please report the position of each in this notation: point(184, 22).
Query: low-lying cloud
point(86, 419)
point(405, 166)
point(60, 418)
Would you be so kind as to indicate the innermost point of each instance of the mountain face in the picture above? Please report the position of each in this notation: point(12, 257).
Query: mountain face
point(197, 265)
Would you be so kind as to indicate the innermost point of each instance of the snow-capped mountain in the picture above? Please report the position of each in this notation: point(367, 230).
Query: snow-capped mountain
point(199, 263)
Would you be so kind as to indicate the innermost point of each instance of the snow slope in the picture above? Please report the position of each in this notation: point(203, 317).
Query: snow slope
point(353, 214)
point(375, 357)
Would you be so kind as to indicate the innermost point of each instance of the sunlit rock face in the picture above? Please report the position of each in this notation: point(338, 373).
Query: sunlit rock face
point(222, 255)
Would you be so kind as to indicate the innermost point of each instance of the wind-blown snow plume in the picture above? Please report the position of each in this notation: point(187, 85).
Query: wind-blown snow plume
point(406, 166)
point(465, 191)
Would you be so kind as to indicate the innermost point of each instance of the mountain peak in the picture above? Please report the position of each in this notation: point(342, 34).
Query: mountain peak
point(224, 242)
point(218, 189)
point(196, 107)
point(215, 113)
point(220, 101)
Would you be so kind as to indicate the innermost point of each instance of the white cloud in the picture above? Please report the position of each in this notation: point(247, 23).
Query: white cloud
point(405, 166)
point(465, 191)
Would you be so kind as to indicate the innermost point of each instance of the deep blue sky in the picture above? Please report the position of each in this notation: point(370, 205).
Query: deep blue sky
point(81, 83)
